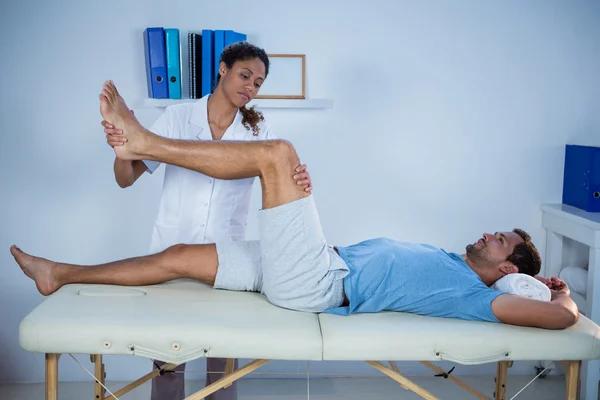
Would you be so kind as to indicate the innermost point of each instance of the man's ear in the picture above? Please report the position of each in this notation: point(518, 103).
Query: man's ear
point(508, 268)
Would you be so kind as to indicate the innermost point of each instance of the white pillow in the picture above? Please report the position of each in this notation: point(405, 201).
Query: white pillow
point(523, 285)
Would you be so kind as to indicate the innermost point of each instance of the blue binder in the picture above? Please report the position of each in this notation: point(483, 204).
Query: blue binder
point(156, 63)
point(208, 64)
point(233, 37)
point(218, 49)
point(581, 177)
point(173, 62)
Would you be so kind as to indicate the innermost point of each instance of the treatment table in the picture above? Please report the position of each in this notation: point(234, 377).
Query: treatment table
point(183, 320)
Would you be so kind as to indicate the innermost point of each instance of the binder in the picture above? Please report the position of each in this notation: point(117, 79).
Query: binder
point(156, 63)
point(219, 44)
point(195, 64)
point(198, 66)
point(232, 37)
point(222, 39)
point(173, 62)
point(208, 65)
point(241, 37)
point(191, 49)
point(581, 177)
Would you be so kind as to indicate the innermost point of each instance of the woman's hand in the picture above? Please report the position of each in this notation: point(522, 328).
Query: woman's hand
point(302, 177)
point(113, 136)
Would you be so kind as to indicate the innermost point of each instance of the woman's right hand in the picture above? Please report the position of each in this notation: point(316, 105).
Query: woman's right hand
point(113, 136)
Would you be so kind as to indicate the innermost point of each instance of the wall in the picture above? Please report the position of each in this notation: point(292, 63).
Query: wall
point(449, 120)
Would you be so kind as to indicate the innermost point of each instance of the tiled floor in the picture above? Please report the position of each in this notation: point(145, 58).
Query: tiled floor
point(549, 388)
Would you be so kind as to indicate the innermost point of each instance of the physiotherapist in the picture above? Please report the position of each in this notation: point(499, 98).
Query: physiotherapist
point(196, 208)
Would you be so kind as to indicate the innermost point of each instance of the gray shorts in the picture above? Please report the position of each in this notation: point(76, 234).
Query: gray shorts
point(291, 264)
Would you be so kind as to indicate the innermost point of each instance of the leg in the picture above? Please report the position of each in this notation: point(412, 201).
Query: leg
point(169, 386)
point(219, 365)
point(501, 372)
point(272, 161)
point(52, 376)
point(100, 375)
point(571, 369)
point(180, 261)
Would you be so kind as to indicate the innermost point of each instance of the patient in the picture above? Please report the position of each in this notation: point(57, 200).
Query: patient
point(292, 264)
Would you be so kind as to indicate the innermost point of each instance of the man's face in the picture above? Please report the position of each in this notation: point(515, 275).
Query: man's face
point(493, 249)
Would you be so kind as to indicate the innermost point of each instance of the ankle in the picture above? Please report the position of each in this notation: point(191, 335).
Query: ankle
point(64, 274)
point(152, 145)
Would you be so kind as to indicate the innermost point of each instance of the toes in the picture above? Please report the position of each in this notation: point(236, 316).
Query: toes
point(112, 88)
point(106, 93)
point(16, 252)
point(106, 90)
point(116, 92)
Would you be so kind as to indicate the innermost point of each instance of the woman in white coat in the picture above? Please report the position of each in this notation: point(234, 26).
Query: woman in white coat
point(195, 208)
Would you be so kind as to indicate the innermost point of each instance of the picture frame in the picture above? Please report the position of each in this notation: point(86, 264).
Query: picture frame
point(286, 78)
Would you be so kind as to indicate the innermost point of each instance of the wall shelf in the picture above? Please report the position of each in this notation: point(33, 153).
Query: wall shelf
point(260, 103)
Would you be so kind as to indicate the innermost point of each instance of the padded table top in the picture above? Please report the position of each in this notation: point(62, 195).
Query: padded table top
point(183, 320)
point(175, 322)
point(403, 336)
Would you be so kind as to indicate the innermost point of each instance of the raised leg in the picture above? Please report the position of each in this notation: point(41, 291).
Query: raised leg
point(272, 161)
point(197, 262)
point(52, 376)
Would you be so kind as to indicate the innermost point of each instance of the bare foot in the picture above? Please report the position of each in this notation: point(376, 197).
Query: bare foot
point(115, 111)
point(42, 271)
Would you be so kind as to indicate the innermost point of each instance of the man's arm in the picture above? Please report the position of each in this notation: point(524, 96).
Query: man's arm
point(558, 313)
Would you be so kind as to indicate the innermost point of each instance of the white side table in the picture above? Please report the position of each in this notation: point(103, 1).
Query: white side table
point(560, 221)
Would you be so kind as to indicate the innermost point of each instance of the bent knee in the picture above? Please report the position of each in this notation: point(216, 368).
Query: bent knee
point(281, 151)
point(175, 249)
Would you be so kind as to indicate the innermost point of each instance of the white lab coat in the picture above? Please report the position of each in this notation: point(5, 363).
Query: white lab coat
point(195, 208)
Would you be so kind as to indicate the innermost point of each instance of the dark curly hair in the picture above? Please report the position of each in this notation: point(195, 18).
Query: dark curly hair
point(242, 51)
point(525, 256)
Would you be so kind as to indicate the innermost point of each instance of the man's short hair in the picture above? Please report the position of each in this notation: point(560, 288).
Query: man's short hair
point(525, 256)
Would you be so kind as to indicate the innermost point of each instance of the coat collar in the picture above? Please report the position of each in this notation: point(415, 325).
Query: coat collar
point(199, 119)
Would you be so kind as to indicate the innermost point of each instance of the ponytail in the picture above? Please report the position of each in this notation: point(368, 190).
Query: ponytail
point(251, 118)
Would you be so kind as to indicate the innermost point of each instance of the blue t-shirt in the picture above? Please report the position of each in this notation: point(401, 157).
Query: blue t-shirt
point(387, 275)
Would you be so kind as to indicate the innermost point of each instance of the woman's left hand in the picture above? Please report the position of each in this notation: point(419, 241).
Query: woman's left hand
point(302, 177)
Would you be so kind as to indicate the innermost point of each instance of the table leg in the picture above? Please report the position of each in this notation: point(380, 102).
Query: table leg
point(52, 376)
